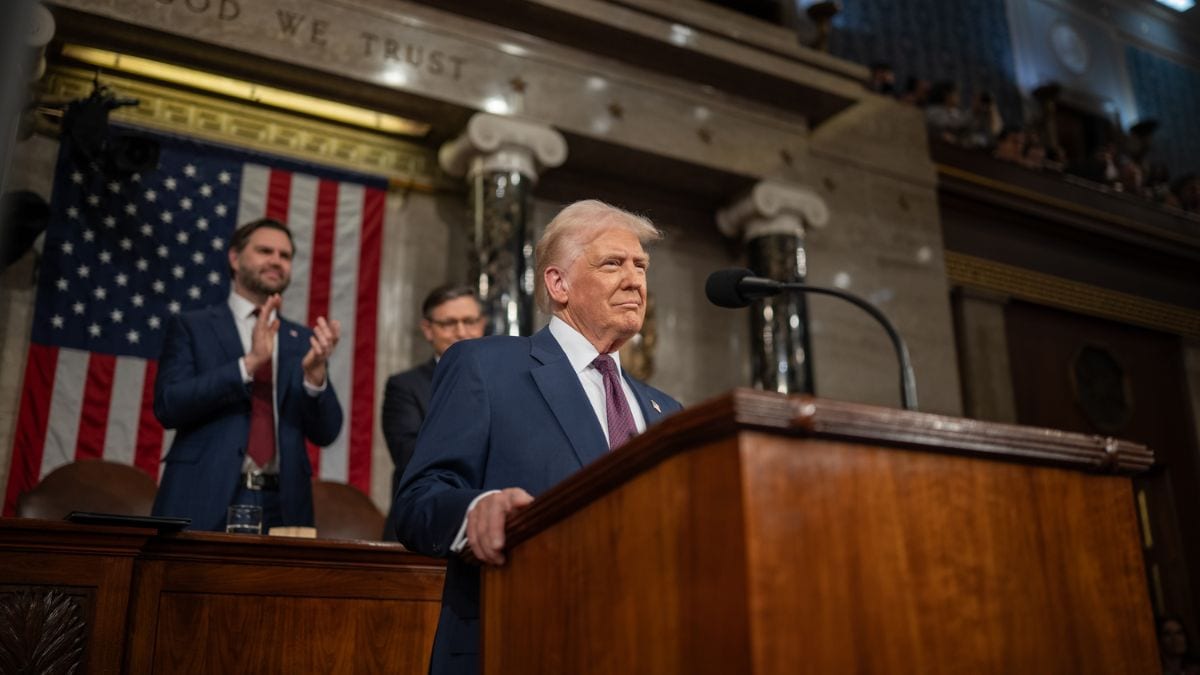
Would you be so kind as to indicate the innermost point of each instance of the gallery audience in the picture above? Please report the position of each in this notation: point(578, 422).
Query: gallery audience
point(1122, 162)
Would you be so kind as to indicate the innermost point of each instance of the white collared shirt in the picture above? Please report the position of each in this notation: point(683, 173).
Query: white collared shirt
point(581, 353)
point(243, 317)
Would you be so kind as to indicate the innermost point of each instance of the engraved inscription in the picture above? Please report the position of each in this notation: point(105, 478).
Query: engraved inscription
point(291, 23)
point(225, 10)
point(433, 61)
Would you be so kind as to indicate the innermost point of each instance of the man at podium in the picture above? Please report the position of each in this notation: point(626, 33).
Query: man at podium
point(512, 416)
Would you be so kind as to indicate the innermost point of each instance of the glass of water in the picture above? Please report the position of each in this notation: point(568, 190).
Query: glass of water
point(244, 519)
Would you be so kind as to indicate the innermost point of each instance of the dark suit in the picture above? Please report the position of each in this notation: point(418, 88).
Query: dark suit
point(506, 412)
point(405, 400)
point(200, 393)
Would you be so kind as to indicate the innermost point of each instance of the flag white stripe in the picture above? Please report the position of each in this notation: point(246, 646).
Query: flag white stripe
point(252, 201)
point(125, 410)
point(343, 305)
point(66, 407)
point(302, 214)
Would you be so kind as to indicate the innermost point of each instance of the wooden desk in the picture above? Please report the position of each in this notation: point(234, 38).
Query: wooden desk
point(216, 603)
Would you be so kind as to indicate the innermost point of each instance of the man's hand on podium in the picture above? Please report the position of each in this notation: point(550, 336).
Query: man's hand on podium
point(485, 525)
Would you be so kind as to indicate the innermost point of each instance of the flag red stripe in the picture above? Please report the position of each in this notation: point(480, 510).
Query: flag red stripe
point(279, 195)
point(320, 278)
point(362, 402)
point(148, 453)
point(32, 422)
point(97, 397)
point(321, 260)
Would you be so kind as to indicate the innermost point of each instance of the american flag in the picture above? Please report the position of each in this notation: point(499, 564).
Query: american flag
point(125, 252)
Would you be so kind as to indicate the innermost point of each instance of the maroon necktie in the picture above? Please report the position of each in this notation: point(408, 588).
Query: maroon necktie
point(621, 426)
point(261, 444)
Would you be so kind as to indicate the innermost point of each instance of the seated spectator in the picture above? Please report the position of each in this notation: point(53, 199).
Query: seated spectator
point(916, 92)
point(1158, 184)
point(1034, 155)
point(1187, 190)
point(1131, 178)
point(1102, 166)
point(1138, 142)
point(1173, 648)
point(882, 79)
point(943, 117)
point(984, 123)
point(1010, 144)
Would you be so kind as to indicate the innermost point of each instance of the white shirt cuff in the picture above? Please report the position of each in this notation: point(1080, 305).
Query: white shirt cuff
point(460, 539)
point(246, 379)
point(314, 391)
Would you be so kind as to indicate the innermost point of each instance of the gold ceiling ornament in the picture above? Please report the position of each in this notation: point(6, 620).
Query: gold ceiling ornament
point(168, 108)
point(247, 91)
point(1046, 289)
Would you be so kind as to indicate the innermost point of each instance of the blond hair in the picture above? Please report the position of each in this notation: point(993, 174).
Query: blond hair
point(573, 229)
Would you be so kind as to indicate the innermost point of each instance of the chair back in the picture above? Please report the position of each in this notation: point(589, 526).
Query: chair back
point(90, 485)
point(343, 512)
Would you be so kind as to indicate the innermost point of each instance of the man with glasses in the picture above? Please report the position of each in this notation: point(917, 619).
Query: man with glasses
point(450, 313)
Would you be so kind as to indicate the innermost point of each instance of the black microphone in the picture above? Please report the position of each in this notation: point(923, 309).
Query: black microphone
point(736, 288)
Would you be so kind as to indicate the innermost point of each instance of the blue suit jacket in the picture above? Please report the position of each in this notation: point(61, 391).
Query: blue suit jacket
point(199, 392)
point(506, 412)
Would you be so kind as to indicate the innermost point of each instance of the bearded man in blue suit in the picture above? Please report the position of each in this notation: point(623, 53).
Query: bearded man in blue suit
point(243, 388)
point(512, 416)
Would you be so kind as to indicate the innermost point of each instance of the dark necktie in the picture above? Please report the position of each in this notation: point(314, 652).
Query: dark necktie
point(261, 444)
point(621, 426)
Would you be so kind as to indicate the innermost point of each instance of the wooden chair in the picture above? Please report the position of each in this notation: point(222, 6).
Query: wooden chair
point(90, 485)
point(343, 512)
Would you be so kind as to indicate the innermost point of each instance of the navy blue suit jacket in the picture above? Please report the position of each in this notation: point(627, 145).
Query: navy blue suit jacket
point(199, 392)
point(405, 401)
point(506, 412)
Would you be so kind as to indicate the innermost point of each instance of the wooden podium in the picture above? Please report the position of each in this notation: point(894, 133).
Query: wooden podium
point(763, 534)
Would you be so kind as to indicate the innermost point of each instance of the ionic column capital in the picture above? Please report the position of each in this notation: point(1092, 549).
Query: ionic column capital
point(495, 143)
point(772, 207)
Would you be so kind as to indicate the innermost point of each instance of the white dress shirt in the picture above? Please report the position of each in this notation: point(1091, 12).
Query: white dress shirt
point(581, 353)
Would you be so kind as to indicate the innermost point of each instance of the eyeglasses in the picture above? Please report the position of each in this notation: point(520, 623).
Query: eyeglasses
point(447, 324)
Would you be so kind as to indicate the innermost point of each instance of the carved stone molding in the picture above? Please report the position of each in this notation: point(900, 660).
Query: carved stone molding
point(495, 143)
point(41, 631)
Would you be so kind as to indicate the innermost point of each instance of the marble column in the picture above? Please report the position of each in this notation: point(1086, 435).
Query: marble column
point(987, 387)
point(771, 222)
point(500, 157)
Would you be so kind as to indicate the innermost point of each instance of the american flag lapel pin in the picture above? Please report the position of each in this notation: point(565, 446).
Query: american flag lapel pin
point(654, 404)
point(293, 333)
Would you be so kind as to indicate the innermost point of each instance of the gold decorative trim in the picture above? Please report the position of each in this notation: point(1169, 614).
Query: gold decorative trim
point(176, 111)
point(1045, 289)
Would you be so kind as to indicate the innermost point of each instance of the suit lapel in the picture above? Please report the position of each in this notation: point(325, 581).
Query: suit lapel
point(291, 350)
point(651, 409)
point(559, 385)
point(225, 332)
